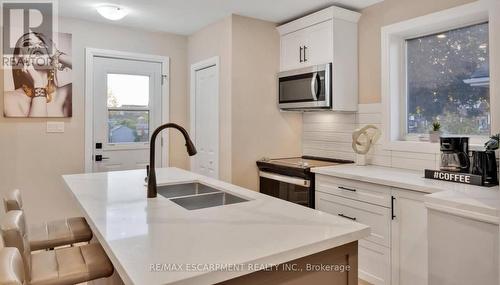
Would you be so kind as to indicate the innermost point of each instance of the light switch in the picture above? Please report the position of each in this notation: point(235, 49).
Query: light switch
point(55, 127)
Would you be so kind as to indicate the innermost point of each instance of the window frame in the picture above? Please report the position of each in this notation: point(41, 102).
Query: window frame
point(394, 71)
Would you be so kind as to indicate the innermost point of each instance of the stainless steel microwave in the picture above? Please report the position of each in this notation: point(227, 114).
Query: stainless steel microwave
point(306, 89)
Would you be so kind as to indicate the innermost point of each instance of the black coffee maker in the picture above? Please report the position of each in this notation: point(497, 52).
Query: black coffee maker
point(455, 154)
point(484, 163)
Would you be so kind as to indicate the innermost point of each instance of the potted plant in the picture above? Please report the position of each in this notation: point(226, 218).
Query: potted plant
point(435, 134)
point(493, 143)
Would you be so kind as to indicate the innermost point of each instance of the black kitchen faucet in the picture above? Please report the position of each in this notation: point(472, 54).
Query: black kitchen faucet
point(191, 149)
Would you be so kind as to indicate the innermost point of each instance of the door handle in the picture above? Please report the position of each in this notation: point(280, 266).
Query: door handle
point(99, 157)
point(347, 217)
point(300, 54)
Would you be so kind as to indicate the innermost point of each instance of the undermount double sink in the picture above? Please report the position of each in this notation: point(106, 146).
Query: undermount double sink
point(193, 196)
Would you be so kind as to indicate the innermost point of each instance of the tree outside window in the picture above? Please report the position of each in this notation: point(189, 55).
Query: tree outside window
point(448, 81)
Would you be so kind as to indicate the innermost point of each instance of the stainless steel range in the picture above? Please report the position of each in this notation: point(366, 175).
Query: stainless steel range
point(291, 179)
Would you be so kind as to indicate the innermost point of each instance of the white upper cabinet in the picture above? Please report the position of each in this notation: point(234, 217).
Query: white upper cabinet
point(327, 36)
point(292, 50)
point(309, 46)
point(319, 43)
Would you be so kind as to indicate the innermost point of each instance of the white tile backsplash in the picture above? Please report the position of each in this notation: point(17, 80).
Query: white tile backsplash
point(329, 134)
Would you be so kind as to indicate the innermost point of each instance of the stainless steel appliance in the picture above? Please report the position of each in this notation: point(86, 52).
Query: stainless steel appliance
point(484, 163)
point(291, 179)
point(306, 89)
point(455, 154)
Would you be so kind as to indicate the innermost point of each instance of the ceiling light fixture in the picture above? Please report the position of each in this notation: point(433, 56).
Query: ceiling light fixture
point(112, 12)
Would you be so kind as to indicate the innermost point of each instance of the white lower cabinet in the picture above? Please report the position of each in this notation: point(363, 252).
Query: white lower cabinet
point(462, 250)
point(396, 250)
point(377, 217)
point(374, 263)
point(409, 239)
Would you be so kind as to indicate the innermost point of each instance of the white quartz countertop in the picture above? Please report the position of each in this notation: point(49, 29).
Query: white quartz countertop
point(461, 199)
point(138, 233)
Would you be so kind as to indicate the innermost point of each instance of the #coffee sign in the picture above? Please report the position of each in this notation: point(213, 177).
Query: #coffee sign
point(457, 177)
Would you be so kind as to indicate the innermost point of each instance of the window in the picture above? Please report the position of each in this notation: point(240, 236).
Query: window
point(437, 68)
point(448, 81)
point(128, 108)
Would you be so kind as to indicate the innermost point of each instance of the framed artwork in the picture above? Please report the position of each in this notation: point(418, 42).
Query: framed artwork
point(38, 82)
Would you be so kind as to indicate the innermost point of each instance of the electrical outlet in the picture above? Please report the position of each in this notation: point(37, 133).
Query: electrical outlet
point(55, 127)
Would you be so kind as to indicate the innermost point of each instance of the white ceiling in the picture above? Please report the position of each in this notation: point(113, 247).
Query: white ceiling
point(188, 16)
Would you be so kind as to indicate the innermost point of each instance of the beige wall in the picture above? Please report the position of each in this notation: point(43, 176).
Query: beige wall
point(258, 127)
point(34, 161)
point(377, 16)
point(215, 40)
point(251, 126)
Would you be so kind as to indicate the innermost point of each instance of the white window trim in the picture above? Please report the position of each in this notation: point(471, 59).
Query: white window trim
point(393, 71)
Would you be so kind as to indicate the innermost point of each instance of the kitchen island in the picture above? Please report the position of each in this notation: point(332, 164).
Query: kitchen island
point(160, 241)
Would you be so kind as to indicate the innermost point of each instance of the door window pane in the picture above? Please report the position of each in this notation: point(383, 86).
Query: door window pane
point(125, 90)
point(128, 126)
point(448, 81)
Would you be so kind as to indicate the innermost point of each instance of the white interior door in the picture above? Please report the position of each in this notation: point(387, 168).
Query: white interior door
point(127, 108)
point(205, 119)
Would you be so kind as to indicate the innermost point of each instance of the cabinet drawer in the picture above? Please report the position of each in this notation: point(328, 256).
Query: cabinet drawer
point(361, 191)
point(377, 217)
point(374, 263)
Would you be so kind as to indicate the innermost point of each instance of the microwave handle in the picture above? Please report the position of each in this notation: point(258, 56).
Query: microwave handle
point(315, 86)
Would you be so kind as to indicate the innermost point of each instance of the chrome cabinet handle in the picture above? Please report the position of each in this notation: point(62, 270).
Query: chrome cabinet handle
point(347, 217)
point(305, 56)
point(347, 189)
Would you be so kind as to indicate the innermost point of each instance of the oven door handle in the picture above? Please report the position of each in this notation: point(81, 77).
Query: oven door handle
point(285, 179)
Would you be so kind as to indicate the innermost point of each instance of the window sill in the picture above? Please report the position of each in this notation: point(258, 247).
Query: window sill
point(422, 147)
point(413, 146)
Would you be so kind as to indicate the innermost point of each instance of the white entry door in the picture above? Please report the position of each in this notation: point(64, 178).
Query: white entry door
point(205, 118)
point(127, 100)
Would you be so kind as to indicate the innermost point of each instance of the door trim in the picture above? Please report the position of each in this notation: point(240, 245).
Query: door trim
point(90, 53)
point(213, 61)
